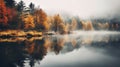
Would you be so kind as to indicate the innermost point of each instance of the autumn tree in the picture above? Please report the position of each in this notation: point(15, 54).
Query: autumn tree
point(58, 24)
point(32, 7)
point(57, 21)
point(73, 24)
point(67, 27)
point(41, 20)
point(38, 51)
point(20, 6)
point(50, 21)
point(12, 16)
point(87, 25)
point(3, 14)
point(57, 45)
point(28, 21)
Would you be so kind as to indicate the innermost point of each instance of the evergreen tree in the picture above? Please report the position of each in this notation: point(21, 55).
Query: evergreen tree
point(20, 6)
point(32, 6)
point(10, 3)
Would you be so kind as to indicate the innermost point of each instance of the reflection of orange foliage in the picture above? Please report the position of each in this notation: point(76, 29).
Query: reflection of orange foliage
point(47, 44)
point(30, 48)
point(57, 45)
point(86, 41)
point(87, 25)
point(74, 42)
point(61, 42)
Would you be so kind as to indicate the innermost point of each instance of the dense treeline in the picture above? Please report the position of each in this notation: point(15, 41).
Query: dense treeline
point(16, 16)
point(19, 17)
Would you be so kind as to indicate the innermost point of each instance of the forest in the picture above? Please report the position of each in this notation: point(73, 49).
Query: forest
point(16, 19)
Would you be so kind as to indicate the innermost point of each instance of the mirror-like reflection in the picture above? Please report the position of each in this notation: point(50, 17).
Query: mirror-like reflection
point(78, 49)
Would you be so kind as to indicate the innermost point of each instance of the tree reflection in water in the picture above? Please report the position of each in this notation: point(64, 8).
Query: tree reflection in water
point(15, 52)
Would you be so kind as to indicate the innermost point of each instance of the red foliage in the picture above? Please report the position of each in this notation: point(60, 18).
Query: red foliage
point(11, 14)
point(7, 14)
point(3, 13)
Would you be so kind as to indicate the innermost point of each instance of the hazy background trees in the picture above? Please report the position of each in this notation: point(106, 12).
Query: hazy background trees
point(58, 24)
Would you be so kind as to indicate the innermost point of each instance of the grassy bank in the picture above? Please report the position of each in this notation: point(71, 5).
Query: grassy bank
point(19, 33)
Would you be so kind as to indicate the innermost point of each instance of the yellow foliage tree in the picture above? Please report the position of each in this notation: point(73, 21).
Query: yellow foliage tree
point(28, 21)
point(50, 21)
point(73, 24)
point(41, 20)
point(87, 25)
point(58, 24)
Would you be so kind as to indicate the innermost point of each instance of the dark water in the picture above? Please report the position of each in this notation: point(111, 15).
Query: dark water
point(81, 49)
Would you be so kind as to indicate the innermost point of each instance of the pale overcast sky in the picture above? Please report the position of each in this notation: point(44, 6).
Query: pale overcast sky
point(82, 8)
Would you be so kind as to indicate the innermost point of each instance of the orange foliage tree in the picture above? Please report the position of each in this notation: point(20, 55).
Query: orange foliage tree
point(41, 20)
point(50, 21)
point(28, 21)
point(58, 24)
point(87, 25)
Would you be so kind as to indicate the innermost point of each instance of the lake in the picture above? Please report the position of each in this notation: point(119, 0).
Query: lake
point(79, 49)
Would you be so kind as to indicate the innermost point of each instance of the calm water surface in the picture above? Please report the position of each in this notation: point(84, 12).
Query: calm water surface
point(80, 49)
